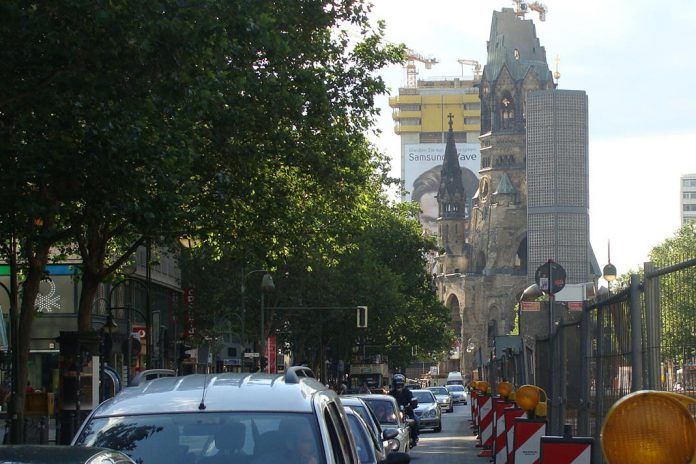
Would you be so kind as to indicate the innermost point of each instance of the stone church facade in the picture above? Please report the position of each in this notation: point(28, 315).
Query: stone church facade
point(482, 269)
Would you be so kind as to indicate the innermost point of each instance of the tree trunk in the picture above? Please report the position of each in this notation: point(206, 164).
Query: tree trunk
point(90, 285)
point(37, 262)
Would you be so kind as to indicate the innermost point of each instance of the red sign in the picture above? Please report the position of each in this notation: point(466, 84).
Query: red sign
point(271, 354)
point(531, 306)
point(574, 305)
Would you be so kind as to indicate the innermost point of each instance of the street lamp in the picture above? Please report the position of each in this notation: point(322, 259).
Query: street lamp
point(530, 293)
point(609, 271)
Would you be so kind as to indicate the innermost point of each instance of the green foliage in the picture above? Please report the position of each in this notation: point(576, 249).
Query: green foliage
point(678, 294)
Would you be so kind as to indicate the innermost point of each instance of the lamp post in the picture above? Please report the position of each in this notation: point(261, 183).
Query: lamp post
point(267, 285)
point(110, 309)
point(530, 293)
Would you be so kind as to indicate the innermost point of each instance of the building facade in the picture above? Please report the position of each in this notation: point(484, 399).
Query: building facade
point(688, 198)
point(421, 121)
point(558, 182)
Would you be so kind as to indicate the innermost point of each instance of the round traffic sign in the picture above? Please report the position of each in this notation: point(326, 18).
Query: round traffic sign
point(550, 271)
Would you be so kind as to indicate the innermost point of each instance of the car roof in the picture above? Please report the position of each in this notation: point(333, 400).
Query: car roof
point(53, 454)
point(288, 392)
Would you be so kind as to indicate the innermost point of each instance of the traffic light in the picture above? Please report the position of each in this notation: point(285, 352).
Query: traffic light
point(183, 348)
point(361, 316)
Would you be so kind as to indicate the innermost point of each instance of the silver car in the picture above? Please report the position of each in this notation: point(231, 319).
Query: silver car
point(458, 393)
point(428, 411)
point(389, 416)
point(443, 397)
point(220, 418)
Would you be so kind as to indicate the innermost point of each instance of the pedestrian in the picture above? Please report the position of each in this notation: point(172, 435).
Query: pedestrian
point(364, 388)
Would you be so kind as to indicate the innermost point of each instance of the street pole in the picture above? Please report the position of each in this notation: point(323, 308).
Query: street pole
point(148, 304)
point(262, 341)
point(15, 432)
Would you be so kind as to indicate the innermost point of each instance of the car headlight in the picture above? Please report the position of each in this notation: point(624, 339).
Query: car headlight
point(429, 413)
point(394, 444)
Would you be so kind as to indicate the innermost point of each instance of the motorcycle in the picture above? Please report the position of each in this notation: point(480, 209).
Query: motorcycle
point(409, 416)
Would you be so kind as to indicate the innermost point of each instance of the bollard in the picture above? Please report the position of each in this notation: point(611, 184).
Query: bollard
point(527, 440)
point(509, 416)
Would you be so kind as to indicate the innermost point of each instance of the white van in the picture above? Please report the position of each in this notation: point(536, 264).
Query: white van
point(455, 378)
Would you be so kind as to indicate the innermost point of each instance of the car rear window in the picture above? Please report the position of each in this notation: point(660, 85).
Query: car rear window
point(195, 437)
point(439, 391)
point(384, 411)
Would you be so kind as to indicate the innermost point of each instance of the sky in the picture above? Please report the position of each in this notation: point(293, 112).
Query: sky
point(633, 58)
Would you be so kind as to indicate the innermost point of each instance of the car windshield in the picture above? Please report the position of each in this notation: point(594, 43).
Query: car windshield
point(424, 397)
point(384, 410)
point(455, 388)
point(439, 391)
point(207, 437)
point(363, 443)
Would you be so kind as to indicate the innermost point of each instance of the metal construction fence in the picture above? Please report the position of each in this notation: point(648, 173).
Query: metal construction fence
point(641, 337)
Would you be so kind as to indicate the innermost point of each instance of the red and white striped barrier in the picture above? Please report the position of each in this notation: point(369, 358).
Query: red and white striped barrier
point(509, 416)
point(499, 448)
point(473, 400)
point(485, 407)
point(562, 450)
point(527, 440)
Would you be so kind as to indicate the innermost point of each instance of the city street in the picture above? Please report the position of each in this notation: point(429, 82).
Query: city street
point(455, 444)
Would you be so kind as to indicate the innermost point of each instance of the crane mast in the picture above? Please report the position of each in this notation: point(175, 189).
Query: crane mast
point(411, 72)
point(522, 7)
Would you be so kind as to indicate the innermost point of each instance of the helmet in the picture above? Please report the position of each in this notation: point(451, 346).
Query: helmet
point(398, 380)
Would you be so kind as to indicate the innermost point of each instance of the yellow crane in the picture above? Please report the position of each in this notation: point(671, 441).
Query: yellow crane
point(411, 73)
point(523, 7)
point(474, 64)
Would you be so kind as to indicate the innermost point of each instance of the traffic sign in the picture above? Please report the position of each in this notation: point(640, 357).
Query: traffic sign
point(251, 355)
point(550, 271)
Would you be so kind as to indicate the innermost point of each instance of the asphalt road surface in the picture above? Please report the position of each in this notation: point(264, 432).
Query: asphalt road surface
point(454, 444)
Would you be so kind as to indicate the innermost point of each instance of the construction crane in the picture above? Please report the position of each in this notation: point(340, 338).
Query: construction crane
point(473, 63)
point(523, 7)
point(411, 73)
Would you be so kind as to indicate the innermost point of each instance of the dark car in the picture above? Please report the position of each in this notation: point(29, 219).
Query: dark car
point(59, 454)
point(369, 447)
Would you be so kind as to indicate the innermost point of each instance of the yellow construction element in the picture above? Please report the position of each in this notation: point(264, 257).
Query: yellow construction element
point(504, 389)
point(528, 397)
point(650, 427)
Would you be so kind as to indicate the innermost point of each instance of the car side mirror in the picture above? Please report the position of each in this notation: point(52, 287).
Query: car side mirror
point(388, 434)
point(397, 458)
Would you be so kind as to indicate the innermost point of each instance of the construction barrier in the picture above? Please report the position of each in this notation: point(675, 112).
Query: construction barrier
point(509, 416)
point(473, 400)
point(485, 414)
point(499, 448)
point(566, 450)
point(527, 440)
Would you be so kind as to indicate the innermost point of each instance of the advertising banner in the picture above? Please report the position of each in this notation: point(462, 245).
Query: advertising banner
point(421, 168)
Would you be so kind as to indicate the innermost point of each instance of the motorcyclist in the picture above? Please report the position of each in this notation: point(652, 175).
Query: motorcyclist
point(404, 398)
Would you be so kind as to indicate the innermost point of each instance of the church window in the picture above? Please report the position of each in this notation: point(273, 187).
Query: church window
point(507, 111)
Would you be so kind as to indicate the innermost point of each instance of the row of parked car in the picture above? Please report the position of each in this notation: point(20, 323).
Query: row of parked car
point(238, 418)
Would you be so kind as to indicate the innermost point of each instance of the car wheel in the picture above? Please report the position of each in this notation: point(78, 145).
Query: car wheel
point(451, 409)
point(438, 429)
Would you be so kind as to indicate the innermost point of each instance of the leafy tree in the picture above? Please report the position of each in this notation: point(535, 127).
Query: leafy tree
point(677, 295)
point(241, 121)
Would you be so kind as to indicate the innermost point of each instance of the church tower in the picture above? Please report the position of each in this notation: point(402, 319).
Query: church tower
point(453, 210)
point(486, 291)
